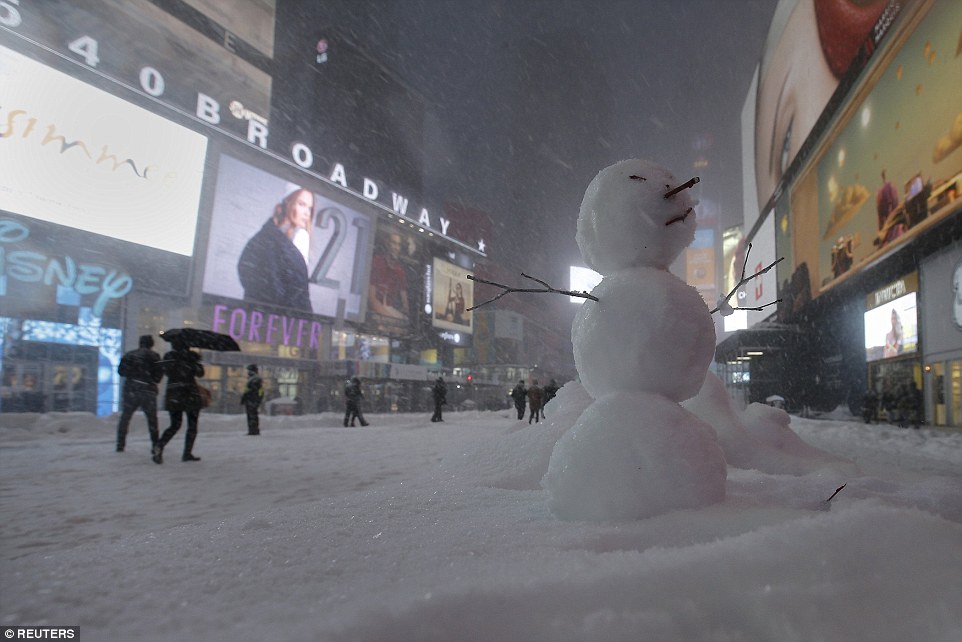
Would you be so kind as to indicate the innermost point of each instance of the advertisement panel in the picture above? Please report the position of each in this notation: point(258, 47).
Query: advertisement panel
point(581, 279)
point(892, 319)
point(762, 290)
point(809, 48)
point(896, 163)
point(452, 296)
point(76, 156)
point(394, 295)
point(277, 243)
point(891, 170)
point(700, 265)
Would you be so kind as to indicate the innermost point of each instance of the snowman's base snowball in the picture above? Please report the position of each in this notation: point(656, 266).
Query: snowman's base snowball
point(633, 455)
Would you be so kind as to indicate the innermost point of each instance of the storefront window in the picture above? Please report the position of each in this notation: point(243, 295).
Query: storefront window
point(936, 384)
point(955, 388)
point(348, 346)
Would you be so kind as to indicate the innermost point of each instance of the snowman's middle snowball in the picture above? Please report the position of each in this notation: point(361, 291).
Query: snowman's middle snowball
point(649, 331)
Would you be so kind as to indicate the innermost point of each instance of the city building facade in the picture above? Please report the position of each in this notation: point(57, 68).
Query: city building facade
point(260, 188)
point(853, 185)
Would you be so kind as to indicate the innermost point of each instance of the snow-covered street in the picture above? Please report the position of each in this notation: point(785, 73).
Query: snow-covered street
point(410, 530)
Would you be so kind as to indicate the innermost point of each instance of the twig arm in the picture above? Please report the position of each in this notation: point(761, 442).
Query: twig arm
point(724, 305)
point(507, 289)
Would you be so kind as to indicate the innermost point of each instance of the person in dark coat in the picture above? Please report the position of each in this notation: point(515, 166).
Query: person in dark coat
point(182, 366)
point(440, 393)
point(549, 393)
point(535, 399)
point(910, 406)
point(251, 399)
point(273, 265)
point(870, 406)
point(353, 395)
point(520, 396)
point(142, 372)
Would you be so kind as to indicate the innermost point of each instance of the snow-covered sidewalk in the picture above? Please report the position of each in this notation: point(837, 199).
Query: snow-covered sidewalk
point(409, 530)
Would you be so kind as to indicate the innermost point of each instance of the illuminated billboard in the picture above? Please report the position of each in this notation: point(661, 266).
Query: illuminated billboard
point(394, 295)
point(278, 243)
point(76, 156)
point(453, 294)
point(893, 167)
point(810, 46)
point(582, 279)
point(892, 320)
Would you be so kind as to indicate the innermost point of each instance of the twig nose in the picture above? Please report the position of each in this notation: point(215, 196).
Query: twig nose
point(683, 186)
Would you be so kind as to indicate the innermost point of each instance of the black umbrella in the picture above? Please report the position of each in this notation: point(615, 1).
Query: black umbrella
point(204, 339)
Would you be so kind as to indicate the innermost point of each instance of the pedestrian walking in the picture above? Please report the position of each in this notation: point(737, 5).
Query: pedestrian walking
point(870, 406)
point(520, 396)
point(251, 399)
point(549, 393)
point(353, 395)
point(182, 367)
point(535, 399)
point(142, 372)
point(440, 393)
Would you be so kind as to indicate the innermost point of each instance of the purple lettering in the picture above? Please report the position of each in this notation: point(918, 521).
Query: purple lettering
point(315, 335)
point(237, 317)
point(219, 316)
point(287, 329)
point(257, 320)
point(300, 332)
point(271, 319)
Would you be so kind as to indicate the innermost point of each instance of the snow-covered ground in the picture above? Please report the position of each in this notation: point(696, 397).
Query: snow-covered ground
point(409, 530)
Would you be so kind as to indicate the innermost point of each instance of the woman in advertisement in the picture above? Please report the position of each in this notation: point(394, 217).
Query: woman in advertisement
point(273, 265)
point(893, 340)
point(455, 308)
point(388, 294)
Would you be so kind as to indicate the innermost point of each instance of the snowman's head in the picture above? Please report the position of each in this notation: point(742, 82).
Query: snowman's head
point(626, 220)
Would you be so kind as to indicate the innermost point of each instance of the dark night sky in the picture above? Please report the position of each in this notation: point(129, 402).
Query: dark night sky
point(535, 97)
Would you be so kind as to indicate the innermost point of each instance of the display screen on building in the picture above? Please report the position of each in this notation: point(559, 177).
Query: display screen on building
point(810, 47)
point(278, 243)
point(581, 279)
point(893, 168)
point(76, 156)
point(395, 295)
point(891, 330)
point(453, 294)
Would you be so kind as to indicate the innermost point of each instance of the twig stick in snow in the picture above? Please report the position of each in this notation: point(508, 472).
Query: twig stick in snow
point(507, 289)
point(835, 493)
point(725, 307)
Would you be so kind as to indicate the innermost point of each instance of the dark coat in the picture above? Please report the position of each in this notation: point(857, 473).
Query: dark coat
point(440, 392)
point(182, 368)
point(520, 395)
point(353, 394)
point(253, 392)
point(272, 271)
point(535, 397)
point(550, 391)
point(142, 371)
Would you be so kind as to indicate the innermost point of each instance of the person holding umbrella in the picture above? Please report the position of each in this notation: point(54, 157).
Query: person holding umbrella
point(182, 366)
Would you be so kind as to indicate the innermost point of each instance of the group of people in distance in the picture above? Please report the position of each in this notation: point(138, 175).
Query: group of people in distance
point(143, 369)
point(353, 395)
point(533, 396)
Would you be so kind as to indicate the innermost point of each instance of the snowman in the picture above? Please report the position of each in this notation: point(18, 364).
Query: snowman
point(641, 349)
